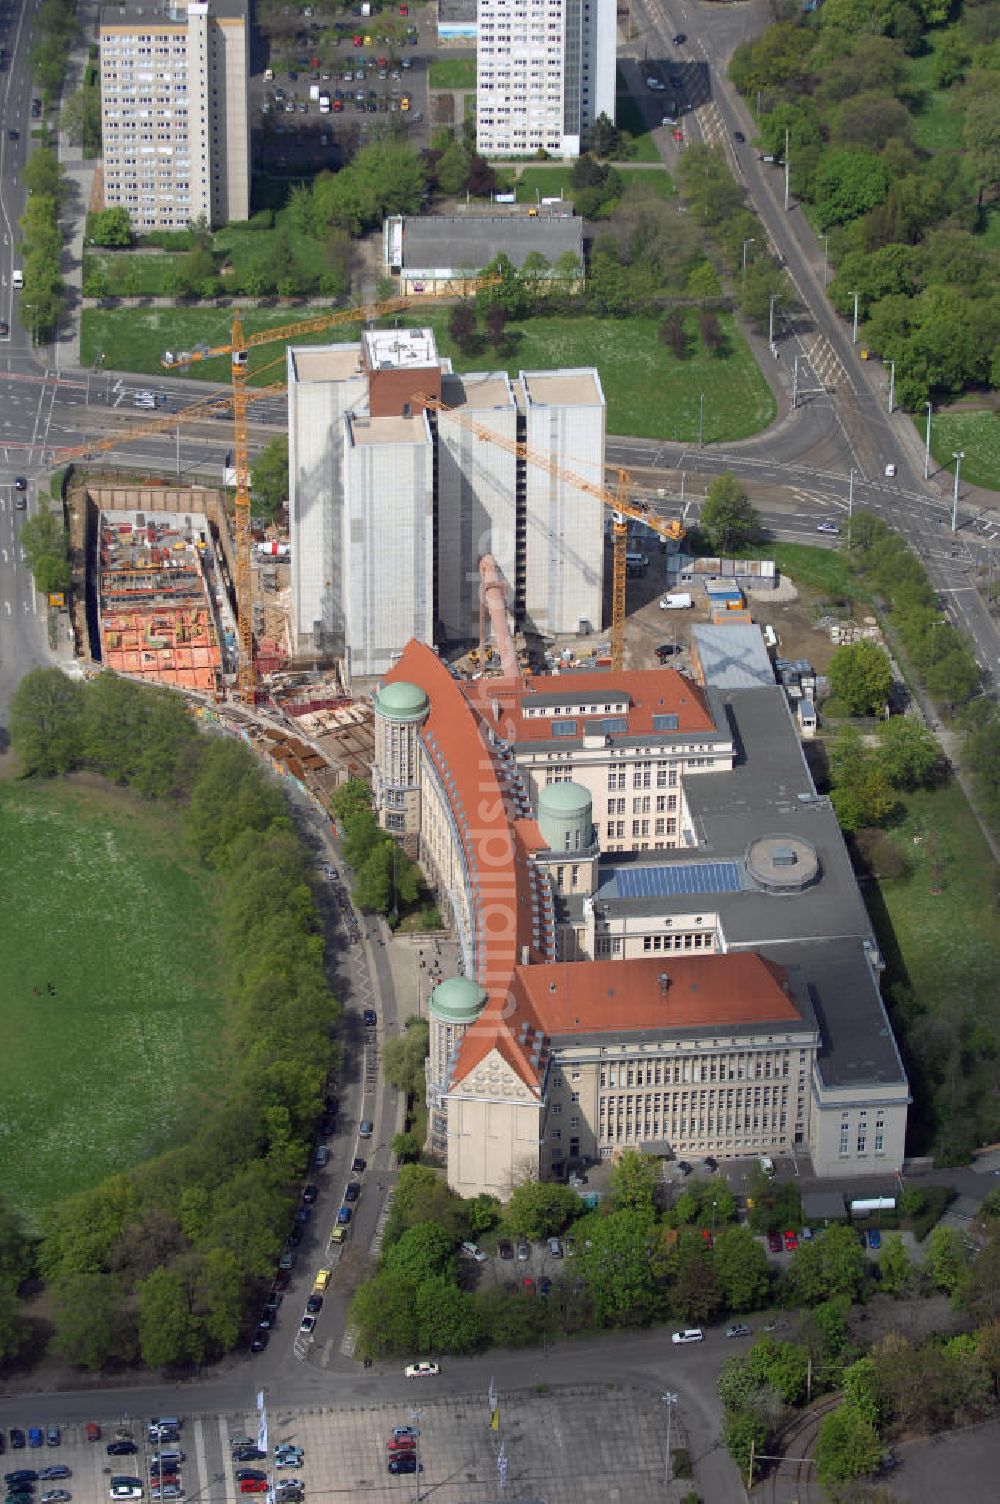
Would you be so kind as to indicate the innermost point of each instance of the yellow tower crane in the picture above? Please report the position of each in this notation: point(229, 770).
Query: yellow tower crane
point(238, 349)
point(621, 508)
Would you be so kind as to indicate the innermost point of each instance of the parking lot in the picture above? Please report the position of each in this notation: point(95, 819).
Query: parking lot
point(563, 1447)
point(326, 83)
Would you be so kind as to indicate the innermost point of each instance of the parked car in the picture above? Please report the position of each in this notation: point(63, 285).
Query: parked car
point(260, 1339)
point(422, 1370)
point(791, 1241)
point(249, 1472)
point(505, 1248)
point(36, 1436)
point(307, 1324)
point(874, 1238)
point(60, 1471)
point(56, 1496)
point(689, 1334)
point(401, 1443)
point(737, 1330)
point(410, 1431)
point(474, 1251)
point(370, 1018)
point(366, 1128)
point(711, 1163)
point(121, 1448)
point(16, 1438)
point(774, 1242)
point(555, 1248)
point(126, 1488)
point(253, 1486)
point(358, 1165)
point(405, 1464)
point(352, 1191)
point(523, 1251)
point(21, 1475)
point(680, 39)
point(320, 1156)
point(684, 1167)
point(166, 1491)
point(53, 1436)
point(248, 1451)
point(93, 1431)
point(309, 1194)
point(314, 1303)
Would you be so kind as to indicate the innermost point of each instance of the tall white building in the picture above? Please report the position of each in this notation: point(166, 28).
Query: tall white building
point(174, 116)
point(392, 508)
point(545, 70)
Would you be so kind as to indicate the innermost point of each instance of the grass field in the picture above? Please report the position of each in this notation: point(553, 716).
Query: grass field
point(823, 569)
point(453, 73)
point(649, 392)
point(98, 900)
point(975, 433)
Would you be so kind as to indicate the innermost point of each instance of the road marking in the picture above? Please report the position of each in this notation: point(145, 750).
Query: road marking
point(226, 1452)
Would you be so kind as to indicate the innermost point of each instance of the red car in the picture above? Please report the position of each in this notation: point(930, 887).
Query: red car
point(774, 1242)
point(706, 1237)
point(404, 10)
point(93, 1431)
point(401, 1444)
point(253, 1486)
point(791, 1241)
point(358, 40)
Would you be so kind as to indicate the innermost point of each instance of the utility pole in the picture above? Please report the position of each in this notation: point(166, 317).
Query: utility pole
point(892, 383)
point(795, 384)
point(787, 170)
point(826, 259)
point(751, 241)
point(927, 443)
point(850, 497)
point(854, 331)
point(753, 1449)
point(770, 324)
point(958, 455)
point(669, 1399)
point(701, 421)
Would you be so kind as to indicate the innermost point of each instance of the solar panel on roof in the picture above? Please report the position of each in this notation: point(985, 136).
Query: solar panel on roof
point(684, 878)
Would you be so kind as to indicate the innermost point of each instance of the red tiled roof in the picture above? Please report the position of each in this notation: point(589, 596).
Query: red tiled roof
point(661, 691)
point(496, 856)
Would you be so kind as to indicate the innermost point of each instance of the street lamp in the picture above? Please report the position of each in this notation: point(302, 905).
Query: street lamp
point(958, 455)
point(892, 383)
point(927, 443)
point(751, 241)
point(770, 322)
point(669, 1399)
point(826, 258)
point(701, 421)
point(854, 331)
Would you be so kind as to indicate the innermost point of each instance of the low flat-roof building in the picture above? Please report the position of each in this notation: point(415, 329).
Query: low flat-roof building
point(438, 253)
point(732, 655)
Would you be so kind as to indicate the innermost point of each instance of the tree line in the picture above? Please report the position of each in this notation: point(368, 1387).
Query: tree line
point(41, 243)
point(385, 880)
point(905, 222)
point(159, 1262)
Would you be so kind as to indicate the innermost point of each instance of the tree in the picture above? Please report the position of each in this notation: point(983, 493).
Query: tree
point(833, 1263)
point(539, 1209)
point(482, 179)
point(727, 518)
point(383, 1313)
point(42, 175)
point(110, 227)
point(742, 1269)
point(447, 1319)
point(894, 1267)
point(847, 184)
point(13, 1330)
point(91, 1326)
point(946, 1257)
point(744, 1435)
point(403, 1057)
point(169, 1333)
point(80, 118)
point(711, 331)
point(44, 539)
point(269, 478)
point(462, 325)
point(496, 325)
point(981, 132)
point(781, 1366)
point(861, 677)
point(45, 713)
point(453, 169)
point(634, 1181)
point(673, 334)
point(603, 137)
point(424, 1249)
point(697, 1292)
point(423, 1195)
point(847, 1446)
point(351, 798)
point(908, 754)
point(617, 1268)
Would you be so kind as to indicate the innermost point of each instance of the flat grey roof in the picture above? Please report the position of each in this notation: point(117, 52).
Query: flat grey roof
point(563, 388)
point(324, 362)
point(482, 391)
point(730, 810)
point(152, 16)
point(367, 431)
point(823, 1206)
point(733, 657)
point(470, 241)
point(458, 10)
point(857, 1047)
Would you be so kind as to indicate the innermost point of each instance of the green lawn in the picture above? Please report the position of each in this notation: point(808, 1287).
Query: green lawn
point(977, 434)
point(453, 73)
point(824, 569)
point(937, 120)
point(99, 900)
point(990, 236)
point(544, 182)
point(650, 393)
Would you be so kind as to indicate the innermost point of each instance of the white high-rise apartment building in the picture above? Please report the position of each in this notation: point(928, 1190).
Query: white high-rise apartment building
point(545, 70)
point(174, 113)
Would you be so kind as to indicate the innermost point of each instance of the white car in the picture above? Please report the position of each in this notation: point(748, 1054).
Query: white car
point(126, 1488)
point(890, 471)
point(475, 1252)
point(307, 1324)
point(689, 1334)
point(423, 1370)
point(828, 527)
point(657, 85)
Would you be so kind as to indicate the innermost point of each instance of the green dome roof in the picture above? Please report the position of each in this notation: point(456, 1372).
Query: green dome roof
point(402, 702)
point(457, 1000)
point(563, 799)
